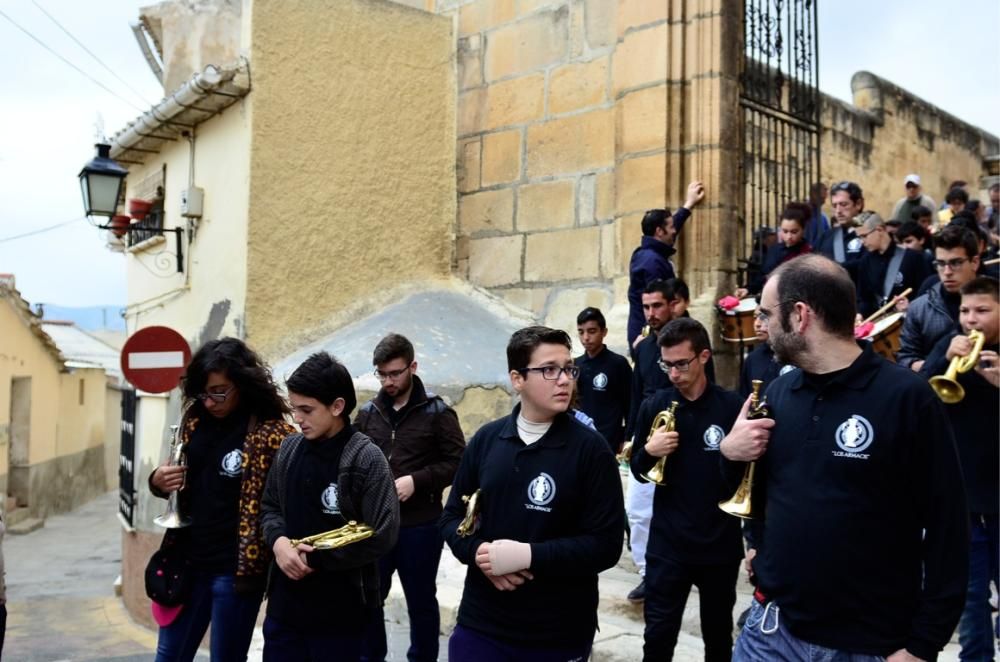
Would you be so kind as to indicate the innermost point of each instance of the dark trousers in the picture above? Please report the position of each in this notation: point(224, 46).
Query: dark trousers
point(975, 629)
point(668, 584)
point(286, 643)
point(415, 557)
point(468, 645)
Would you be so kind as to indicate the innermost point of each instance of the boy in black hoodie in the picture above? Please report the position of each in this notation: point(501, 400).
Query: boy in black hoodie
point(320, 601)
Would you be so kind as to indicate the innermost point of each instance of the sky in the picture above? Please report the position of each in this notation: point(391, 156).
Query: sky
point(49, 111)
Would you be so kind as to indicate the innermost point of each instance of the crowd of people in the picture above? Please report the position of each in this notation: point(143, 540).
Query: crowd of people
point(874, 525)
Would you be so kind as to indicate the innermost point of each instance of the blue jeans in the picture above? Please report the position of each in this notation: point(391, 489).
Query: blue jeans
point(764, 637)
point(415, 557)
point(213, 599)
point(285, 643)
point(975, 630)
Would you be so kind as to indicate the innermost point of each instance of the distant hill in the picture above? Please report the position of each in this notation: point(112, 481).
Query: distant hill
point(90, 318)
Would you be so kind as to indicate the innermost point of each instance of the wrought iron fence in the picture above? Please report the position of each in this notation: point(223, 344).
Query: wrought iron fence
point(780, 103)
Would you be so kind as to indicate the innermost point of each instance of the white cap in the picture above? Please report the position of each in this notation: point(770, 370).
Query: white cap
point(912, 179)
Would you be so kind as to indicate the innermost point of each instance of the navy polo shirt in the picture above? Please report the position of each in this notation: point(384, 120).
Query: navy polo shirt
point(563, 495)
point(687, 524)
point(865, 543)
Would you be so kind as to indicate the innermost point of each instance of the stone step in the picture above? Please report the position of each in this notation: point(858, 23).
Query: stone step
point(14, 516)
point(26, 526)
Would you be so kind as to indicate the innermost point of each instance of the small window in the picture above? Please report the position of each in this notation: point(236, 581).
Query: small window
point(83, 390)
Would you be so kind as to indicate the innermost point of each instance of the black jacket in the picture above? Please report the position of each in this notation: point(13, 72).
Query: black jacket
point(760, 364)
point(423, 440)
point(865, 545)
point(871, 277)
point(687, 524)
point(563, 495)
point(853, 247)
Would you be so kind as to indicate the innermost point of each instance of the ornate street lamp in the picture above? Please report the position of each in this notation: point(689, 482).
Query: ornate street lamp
point(101, 183)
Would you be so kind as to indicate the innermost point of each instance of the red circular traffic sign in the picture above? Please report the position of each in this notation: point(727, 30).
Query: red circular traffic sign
point(154, 358)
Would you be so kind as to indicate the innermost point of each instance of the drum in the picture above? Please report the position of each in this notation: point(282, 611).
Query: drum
point(737, 323)
point(885, 337)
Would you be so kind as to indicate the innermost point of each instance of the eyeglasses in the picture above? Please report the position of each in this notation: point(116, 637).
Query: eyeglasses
point(393, 375)
point(216, 397)
point(764, 315)
point(953, 264)
point(552, 372)
point(680, 366)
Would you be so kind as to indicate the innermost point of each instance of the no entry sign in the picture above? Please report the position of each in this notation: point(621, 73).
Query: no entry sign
point(154, 358)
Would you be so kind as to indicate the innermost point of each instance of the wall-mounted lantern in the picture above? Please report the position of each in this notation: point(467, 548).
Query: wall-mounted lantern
point(101, 183)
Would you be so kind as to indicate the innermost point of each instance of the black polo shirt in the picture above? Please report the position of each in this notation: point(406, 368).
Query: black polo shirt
point(975, 420)
point(604, 387)
point(563, 495)
point(865, 530)
point(647, 378)
point(687, 524)
point(760, 364)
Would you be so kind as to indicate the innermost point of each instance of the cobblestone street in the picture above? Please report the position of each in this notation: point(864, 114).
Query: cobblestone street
point(62, 607)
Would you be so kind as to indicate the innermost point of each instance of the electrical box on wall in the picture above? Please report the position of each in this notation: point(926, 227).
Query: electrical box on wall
point(192, 200)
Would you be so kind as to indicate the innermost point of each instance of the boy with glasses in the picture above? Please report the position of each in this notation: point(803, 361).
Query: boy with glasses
point(691, 541)
point(885, 270)
point(932, 315)
point(550, 517)
point(423, 442)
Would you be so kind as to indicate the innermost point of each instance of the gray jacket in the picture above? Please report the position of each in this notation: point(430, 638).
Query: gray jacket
point(366, 493)
point(927, 321)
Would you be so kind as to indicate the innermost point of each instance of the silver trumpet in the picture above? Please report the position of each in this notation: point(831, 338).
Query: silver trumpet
point(172, 518)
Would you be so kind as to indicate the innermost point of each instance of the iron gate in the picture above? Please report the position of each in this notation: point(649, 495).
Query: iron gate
point(126, 459)
point(780, 102)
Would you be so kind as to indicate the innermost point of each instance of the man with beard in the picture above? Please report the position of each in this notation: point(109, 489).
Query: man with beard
point(421, 437)
point(865, 540)
point(840, 243)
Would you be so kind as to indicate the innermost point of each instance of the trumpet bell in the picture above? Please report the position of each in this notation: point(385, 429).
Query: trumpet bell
point(949, 390)
point(172, 520)
point(656, 474)
point(741, 504)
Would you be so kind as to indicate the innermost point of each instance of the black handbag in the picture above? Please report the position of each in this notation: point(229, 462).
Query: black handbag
point(169, 577)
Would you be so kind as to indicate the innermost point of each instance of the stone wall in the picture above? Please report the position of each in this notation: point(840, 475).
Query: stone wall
point(888, 133)
point(574, 117)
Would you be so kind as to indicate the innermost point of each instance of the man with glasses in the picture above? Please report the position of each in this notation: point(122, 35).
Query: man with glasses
point(935, 313)
point(840, 243)
point(550, 517)
point(885, 270)
point(651, 260)
point(691, 541)
point(914, 198)
point(864, 553)
point(421, 437)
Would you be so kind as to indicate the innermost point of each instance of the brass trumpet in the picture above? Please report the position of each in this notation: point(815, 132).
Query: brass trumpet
point(349, 533)
point(172, 518)
point(626, 453)
point(468, 523)
point(946, 386)
point(667, 419)
point(741, 503)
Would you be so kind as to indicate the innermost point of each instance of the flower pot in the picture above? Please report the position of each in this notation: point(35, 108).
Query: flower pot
point(119, 225)
point(138, 208)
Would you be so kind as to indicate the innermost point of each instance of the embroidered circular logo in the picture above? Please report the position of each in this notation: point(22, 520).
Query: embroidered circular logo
point(232, 463)
point(855, 434)
point(854, 245)
point(542, 490)
point(786, 369)
point(899, 278)
point(600, 381)
point(713, 436)
point(329, 499)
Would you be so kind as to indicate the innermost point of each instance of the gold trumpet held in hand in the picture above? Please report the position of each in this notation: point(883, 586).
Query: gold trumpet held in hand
point(625, 456)
point(741, 504)
point(468, 524)
point(349, 533)
point(667, 420)
point(946, 386)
